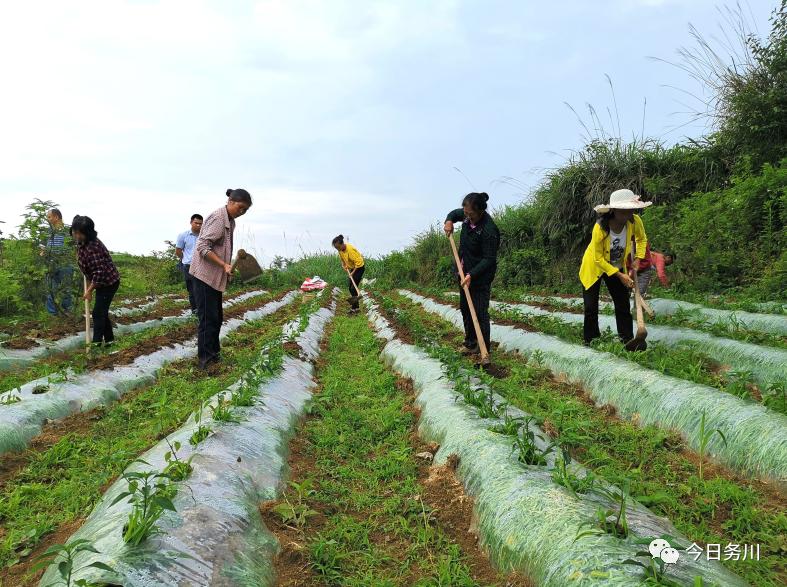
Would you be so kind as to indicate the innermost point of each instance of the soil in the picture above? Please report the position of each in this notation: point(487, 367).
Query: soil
point(441, 492)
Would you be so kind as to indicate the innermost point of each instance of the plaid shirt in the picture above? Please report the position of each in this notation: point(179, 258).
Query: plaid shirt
point(216, 236)
point(96, 264)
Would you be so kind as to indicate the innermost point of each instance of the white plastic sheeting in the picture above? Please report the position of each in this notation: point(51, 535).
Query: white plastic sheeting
point(527, 522)
point(773, 323)
point(217, 536)
point(766, 364)
point(756, 438)
point(23, 420)
point(18, 358)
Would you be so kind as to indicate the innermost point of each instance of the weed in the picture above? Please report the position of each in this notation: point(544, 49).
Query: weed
point(563, 476)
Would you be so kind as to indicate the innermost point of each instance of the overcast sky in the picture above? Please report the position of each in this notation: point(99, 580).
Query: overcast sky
point(338, 116)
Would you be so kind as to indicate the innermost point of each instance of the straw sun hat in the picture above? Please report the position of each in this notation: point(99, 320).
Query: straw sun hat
point(622, 200)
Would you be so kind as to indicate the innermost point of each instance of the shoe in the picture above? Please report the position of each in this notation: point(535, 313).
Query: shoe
point(466, 351)
point(109, 344)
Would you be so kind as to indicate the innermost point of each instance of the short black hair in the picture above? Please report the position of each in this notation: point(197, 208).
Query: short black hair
point(477, 200)
point(670, 254)
point(56, 212)
point(85, 225)
point(196, 216)
point(239, 195)
point(338, 240)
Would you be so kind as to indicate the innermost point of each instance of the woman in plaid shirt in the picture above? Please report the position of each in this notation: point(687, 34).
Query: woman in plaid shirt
point(211, 267)
point(97, 266)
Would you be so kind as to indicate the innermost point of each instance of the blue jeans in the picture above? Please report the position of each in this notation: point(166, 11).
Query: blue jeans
point(59, 282)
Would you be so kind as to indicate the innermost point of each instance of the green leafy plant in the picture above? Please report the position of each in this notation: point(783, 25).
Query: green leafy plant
point(525, 445)
point(10, 398)
point(608, 520)
point(203, 430)
point(509, 426)
point(563, 476)
point(297, 513)
point(177, 469)
point(66, 554)
point(222, 411)
point(150, 494)
point(705, 437)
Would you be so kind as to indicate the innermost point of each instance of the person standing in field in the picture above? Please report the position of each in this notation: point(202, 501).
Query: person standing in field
point(653, 261)
point(211, 268)
point(352, 262)
point(608, 259)
point(60, 269)
point(184, 251)
point(479, 242)
point(102, 275)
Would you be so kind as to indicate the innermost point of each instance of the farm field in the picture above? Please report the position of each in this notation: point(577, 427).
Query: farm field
point(365, 450)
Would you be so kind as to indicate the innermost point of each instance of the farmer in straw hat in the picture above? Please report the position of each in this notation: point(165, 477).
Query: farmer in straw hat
point(607, 258)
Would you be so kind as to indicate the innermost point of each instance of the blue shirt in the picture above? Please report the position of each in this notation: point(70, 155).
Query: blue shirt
point(186, 242)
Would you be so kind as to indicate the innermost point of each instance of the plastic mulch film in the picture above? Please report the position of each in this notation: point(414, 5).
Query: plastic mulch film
point(131, 301)
point(756, 438)
point(766, 364)
point(42, 401)
point(20, 358)
point(216, 537)
point(773, 323)
point(528, 523)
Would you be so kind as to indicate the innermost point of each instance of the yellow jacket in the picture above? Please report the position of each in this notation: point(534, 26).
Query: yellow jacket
point(595, 261)
point(351, 258)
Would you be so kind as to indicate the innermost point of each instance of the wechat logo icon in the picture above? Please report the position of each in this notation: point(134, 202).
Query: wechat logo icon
point(662, 550)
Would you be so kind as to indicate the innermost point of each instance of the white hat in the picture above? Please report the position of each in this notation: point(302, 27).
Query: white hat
point(622, 200)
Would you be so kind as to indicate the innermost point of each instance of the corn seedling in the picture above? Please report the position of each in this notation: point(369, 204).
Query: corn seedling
point(202, 431)
point(705, 436)
point(563, 476)
point(611, 521)
point(526, 448)
point(66, 553)
point(10, 398)
point(509, 426)
point(177, 469)
point(222, 411)
point(150, 494)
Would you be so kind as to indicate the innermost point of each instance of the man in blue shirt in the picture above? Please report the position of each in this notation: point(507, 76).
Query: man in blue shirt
point(184, 250)
point(60, 269)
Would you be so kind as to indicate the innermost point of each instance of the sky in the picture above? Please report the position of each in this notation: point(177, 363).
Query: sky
point(340, 116)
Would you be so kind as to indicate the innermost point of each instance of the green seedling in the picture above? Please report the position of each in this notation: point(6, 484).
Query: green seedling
point(150, 494)
point(66, 554)
point(177, 469)
point(203, 430)
point(509, 426)
point(222, 411)
point(611, 521)
point(563, 476)
point(297, 513)
point(525, 445)
point(705, 437)
point(10, 398)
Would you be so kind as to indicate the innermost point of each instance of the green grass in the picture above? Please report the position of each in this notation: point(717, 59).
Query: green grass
point(656, 466)
point(380, 533)
point(62, 483)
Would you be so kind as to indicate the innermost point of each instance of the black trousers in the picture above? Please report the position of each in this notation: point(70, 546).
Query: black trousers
point(102, 325)
point(211, 314)
point(620, 296)
point(357, 277)
point(480, 295)
point(190, 287)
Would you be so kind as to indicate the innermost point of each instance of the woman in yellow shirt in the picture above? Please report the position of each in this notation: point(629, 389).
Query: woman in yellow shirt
point(352, 261)
point(608, 258)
